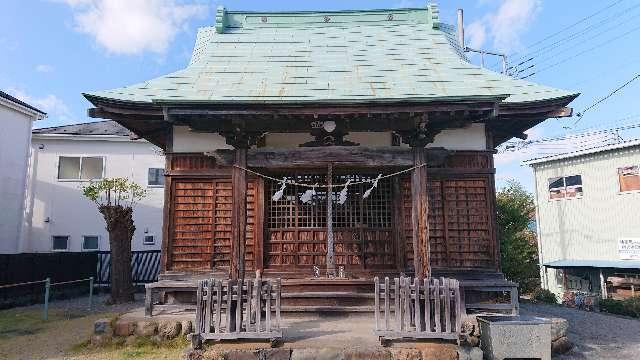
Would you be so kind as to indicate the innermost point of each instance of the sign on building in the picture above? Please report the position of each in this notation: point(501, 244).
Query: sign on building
point(629, 249)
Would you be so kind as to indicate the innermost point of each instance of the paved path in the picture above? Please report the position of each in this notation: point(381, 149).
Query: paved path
point(596, 335)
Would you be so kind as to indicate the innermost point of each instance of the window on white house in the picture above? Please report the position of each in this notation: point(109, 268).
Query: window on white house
point(156, 177)
point(149, 240)
point(629, 178)
point(565, 187)
point(60, 242)
point(80, 167)
point(90, 242)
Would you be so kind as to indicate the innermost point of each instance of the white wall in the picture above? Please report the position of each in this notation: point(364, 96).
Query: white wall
point(69, 212)
point(185, 140)
point(470, 138)
point(586, 228)
point(15, 136)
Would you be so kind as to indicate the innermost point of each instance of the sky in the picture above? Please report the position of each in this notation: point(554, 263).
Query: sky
point(53, 50)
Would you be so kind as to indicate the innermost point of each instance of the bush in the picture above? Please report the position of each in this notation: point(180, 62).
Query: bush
point(633, 305)
point(626, 307)
point(543, 296)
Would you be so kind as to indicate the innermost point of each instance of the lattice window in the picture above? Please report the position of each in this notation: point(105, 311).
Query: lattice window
point(372, 212)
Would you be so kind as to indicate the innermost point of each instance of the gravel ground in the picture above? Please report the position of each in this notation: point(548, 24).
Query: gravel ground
point(595, 335)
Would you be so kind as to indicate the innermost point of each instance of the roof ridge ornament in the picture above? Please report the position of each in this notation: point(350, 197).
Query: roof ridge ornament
point(434, 15)
point(221, 19)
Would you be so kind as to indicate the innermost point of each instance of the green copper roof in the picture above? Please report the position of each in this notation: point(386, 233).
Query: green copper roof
point(345, 56)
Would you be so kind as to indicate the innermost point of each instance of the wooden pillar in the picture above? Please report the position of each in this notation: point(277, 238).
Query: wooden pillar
point(238, 215)
point(167, 210)
point(331, 260)
point(398, 227)
point(419, 220)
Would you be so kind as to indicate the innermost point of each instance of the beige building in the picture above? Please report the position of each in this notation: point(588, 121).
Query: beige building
point(588, 206)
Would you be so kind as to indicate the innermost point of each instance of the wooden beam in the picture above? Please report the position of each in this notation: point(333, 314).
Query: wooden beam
point(392, 156)
point(238, 215)
point(333, 109)
point(323, 156)
point(421, 253)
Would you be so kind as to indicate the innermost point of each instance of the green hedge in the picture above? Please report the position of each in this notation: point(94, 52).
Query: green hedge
point(543, 296)
point(627, 307)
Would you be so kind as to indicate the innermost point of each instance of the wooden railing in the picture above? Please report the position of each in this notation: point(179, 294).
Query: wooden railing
point(230, 309)
point(418, 308)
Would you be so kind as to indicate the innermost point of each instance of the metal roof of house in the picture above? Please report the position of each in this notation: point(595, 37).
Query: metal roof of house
point(621, 264)
point(583, 152)
point(329, 57)
point(92, 128)
point(17, 101)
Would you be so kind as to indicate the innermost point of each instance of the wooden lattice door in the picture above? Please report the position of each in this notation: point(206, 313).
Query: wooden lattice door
point(296, 233)
point(460, 224)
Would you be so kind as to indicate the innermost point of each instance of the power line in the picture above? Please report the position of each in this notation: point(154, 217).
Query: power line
point(564, 49)
point(585, 31)
point(581, 114)
point(604, 43)
point(600, 11)
point(576, 23)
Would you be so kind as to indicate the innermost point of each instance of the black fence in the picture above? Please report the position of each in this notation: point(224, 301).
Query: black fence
point(145, 267)
point(59, 267)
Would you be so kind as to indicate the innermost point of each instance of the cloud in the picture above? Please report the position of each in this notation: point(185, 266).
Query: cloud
point(504, 26)
point(407, 4)
point(51, 104)
point(133, 26)
point(476, 34)
point(44, 68)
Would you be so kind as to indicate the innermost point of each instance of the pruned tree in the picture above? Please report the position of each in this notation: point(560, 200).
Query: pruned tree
point(518, 244)
point(116, 199)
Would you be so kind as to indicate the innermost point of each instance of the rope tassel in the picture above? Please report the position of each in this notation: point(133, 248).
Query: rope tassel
point(308, 195)
point(375, 184)
point(278, 195)
point(343, 193)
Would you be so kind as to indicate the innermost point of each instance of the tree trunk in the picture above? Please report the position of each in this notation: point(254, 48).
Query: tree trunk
point(120, 226)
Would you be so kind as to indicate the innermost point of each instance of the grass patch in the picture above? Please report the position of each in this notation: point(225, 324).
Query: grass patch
point(140, 348)
point(20, 322)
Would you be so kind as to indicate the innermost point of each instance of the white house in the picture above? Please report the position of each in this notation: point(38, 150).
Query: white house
point(588, 206)
point(64, 158)
point(16, 121)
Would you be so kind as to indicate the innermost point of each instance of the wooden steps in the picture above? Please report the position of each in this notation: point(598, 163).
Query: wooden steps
point(336, 309)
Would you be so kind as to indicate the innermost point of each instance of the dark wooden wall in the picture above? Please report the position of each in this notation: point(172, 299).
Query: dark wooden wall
point(460, 215)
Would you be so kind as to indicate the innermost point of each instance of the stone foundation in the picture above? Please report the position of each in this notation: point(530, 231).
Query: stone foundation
point(423, 351)
point(105, 330)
